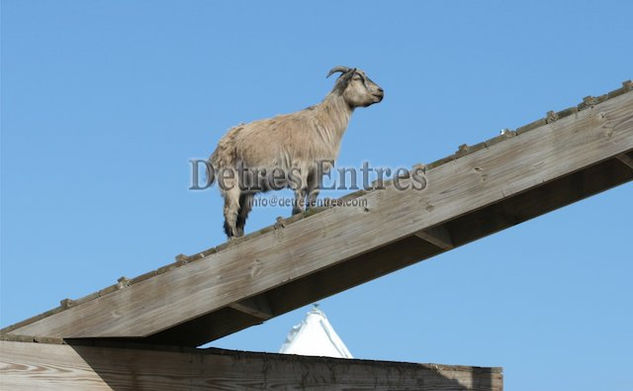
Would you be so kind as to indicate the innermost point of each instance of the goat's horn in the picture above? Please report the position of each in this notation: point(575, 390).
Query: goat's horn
point(337, 69)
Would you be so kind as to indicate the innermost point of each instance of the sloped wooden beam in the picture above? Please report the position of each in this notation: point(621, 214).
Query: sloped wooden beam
point(27, 366)
point(480, 190)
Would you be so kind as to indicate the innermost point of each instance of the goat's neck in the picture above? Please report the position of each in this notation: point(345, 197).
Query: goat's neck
point(333, 114)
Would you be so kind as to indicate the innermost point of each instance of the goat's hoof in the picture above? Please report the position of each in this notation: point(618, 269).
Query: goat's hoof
point(279, 223)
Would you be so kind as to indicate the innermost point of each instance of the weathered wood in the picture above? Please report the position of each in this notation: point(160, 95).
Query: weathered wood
point(39, 366)
point(484, 184)
point(438, 236)
point(294, 294)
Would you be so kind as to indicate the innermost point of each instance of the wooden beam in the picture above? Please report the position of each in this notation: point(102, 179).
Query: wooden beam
point(624, 158)
point(501, 180)
point(26, 366)
point(437, 236)
point(257, 307)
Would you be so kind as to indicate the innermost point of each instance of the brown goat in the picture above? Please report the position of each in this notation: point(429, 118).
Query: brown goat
point(289, 143)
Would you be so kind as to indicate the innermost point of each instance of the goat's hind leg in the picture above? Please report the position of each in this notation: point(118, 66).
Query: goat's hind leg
point(246, 204)
point(231, 211)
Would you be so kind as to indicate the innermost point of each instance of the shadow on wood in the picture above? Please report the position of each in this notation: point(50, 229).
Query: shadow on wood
point(106, 365)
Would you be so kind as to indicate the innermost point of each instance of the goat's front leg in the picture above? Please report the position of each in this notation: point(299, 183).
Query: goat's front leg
point(299, 205)
point(312, 191)
point(312, 198)
point(301, 190)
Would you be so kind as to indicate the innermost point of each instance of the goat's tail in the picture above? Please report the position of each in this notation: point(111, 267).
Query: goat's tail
point(223, 157)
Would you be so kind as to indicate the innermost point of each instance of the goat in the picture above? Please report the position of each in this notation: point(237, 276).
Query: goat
point(289, 143)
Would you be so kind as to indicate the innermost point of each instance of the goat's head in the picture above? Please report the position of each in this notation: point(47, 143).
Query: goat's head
point(356, 88)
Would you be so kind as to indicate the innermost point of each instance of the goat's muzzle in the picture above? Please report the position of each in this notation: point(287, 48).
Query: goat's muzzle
point(379, 94)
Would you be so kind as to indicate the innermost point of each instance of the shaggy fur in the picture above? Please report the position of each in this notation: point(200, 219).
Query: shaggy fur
point(291, 141)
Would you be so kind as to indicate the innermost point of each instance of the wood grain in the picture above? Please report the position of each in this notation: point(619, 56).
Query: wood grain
point(37, 366)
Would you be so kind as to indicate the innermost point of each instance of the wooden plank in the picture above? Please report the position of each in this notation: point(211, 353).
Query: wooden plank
point(40, 366)
point(437, 236)
point(485, 221)
point(469, 227)
point(624, 158)
point(271, 259)
point(297, 293)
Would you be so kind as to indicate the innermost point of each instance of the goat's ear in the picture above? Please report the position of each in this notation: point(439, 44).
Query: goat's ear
point(343, 81)
point(347, 76)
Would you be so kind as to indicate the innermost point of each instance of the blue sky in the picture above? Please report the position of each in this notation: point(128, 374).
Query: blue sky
point(103, 103)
